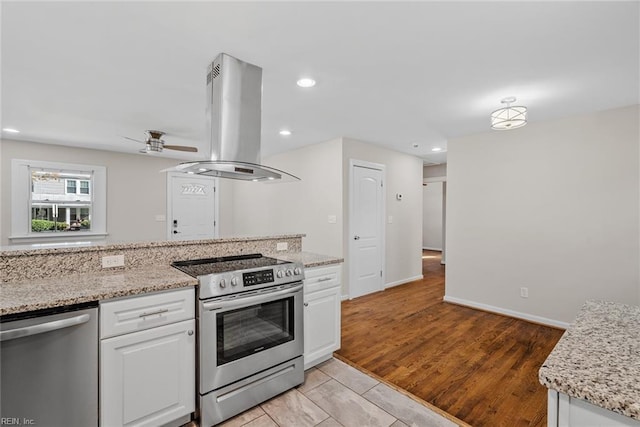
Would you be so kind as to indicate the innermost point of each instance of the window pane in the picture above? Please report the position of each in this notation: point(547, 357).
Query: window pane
point(55, 204)
point(84, 187)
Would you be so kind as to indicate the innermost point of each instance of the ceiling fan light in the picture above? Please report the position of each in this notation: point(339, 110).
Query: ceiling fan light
point(509, 117)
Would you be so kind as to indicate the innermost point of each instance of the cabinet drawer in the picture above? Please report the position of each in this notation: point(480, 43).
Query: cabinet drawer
point(146, 311)
point(319, 278)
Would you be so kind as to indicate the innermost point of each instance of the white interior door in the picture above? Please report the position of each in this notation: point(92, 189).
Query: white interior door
point(191, 211)
point(366, 246)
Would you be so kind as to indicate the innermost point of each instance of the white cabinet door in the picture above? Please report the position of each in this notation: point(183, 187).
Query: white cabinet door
point(572, 412)
point(148, 377)
point(321, 325)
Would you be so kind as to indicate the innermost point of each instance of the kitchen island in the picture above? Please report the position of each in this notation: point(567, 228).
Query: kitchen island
point(143, 320)
point(34, 279)
point(593, 373)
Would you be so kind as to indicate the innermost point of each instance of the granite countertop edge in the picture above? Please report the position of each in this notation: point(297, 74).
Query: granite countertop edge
point(102, 246)
point(37, 294)
point(308, 259)
point(598, 358)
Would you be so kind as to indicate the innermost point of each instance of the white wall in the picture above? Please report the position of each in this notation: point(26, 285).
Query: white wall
point(136, 190)
point(304, 207)
point(432, 216)
point(403, 245)
point(553, 207)
point(294, 207)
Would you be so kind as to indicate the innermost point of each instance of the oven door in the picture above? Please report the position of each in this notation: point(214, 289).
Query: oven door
point(243, 334)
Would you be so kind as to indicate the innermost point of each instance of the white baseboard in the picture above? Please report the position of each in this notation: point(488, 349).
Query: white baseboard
point(424, 248)
point(511, 313)
point(403, 281)
point(344, 297)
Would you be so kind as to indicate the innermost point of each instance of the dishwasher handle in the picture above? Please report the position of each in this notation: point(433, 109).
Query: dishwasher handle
point(12, 334)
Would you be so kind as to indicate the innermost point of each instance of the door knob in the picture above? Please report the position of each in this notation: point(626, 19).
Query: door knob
point(175, 232)
point(356, 237)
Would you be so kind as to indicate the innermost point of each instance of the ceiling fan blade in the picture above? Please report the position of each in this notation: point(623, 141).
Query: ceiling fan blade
point(131, 139)
point(180, 148)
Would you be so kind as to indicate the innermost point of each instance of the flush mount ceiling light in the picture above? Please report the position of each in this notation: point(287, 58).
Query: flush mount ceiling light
point(509, 117)
point(10, 130)
point(306, 82)
point(436, 149)
point(285, 132)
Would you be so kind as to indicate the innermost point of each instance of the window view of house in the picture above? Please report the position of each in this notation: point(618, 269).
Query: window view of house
point(60, 201)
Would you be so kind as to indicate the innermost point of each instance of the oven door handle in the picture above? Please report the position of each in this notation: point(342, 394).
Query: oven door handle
point(243, 301)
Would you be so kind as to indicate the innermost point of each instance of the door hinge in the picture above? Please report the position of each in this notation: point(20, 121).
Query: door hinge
point(381, 183)
point(214, 223)
point(380, 273)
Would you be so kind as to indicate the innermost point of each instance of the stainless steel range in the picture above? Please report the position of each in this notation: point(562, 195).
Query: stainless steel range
point(250, 331)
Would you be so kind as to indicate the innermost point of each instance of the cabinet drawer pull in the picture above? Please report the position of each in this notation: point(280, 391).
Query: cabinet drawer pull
point(152, 313)
point(324, 279)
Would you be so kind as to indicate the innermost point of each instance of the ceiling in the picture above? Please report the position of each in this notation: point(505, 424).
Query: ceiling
point(397, 74)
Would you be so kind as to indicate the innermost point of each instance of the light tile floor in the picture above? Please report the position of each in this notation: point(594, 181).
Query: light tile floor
point(336, 394)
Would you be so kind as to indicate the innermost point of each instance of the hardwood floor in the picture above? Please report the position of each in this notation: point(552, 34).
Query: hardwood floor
point(478, 366)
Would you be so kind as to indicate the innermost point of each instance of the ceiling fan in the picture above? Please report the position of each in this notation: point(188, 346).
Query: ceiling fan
point(155, 143)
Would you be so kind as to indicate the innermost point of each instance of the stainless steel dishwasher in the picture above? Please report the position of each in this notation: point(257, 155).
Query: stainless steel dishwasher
point(49, 367)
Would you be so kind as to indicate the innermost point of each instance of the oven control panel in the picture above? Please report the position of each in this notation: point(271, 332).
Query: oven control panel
point(239, 281)
point(257, 277)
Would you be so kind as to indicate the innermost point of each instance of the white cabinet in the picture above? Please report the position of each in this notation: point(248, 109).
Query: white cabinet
point(567, 411)
point(147, 375)
point(321, 313)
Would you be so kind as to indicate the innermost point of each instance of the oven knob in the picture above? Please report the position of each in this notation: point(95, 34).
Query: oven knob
point(289, 272)
point(234, 281)
point(223, 283)
point(280, 273)
point(298, 271)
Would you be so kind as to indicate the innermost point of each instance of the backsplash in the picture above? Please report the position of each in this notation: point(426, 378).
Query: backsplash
point(46, 263)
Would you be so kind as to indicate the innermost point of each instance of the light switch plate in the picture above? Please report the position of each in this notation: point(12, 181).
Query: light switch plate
point(332, 219)
point(282, 246)
point(161, 218)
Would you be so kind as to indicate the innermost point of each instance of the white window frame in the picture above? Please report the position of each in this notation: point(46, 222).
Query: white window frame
point(21, 195)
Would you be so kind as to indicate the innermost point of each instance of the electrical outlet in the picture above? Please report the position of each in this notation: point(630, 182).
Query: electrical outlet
point(113, 261)
point(524, 292)
point(282, 246)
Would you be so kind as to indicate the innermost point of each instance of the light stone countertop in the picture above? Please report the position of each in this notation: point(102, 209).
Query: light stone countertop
point(75, 247)
point(37, 294)
point(598, 358)
point(308, 259)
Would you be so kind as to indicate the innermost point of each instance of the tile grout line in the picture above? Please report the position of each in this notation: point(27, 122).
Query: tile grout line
point(423, 402)
point(362, 394)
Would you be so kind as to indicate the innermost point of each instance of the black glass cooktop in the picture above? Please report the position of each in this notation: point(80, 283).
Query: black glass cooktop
point(204, 266)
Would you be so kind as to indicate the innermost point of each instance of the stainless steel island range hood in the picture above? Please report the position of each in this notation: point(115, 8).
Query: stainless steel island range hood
point(233, 118)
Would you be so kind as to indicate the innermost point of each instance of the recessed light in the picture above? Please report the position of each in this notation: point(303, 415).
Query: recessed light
point(285, 132)
point(306, 82)
point(436, 149)
point(415, 145)
point(203, 169)
point(271, 178)
point(10, 130)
